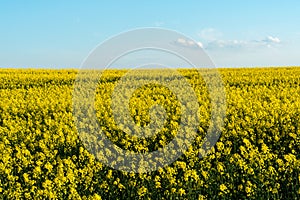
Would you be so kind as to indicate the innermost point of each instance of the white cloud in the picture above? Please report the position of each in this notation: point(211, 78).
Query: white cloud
point(222, 44)
point(188, 43)
point(269, 42)
point(213, 40)
point(200, 44)
point(271, 39)
point(181, 41)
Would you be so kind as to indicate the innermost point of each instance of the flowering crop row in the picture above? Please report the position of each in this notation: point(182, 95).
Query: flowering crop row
point(256, 157)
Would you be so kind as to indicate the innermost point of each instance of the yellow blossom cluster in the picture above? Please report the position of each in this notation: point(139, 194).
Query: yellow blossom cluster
point(256, 157)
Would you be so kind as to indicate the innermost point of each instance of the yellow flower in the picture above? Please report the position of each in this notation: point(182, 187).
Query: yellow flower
point(109, 174)
point(26, 178)
point(173, 190)
point(204, 174)
point(248, 190)
point(201, 197)
point(220, 146)
point(181, 165)
point(97, 197)
point(240, 187)
point(264, 148)
point(272, 170)
point(223, 188)
point(280, 162)
point(181, 191)
point(142, 191)
point(121, 186)
point(220, 167)
point(157, 185)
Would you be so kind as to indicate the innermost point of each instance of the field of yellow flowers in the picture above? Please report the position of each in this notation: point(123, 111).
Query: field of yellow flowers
point(256, 157)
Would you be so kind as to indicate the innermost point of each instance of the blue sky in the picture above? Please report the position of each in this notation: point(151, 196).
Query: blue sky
point(58, 34)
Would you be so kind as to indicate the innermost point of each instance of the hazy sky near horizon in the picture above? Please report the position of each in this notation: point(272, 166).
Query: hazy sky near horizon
point(59, 34)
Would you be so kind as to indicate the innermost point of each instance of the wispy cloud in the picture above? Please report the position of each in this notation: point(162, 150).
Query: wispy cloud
point(271, 39)
point(268, 42)
point(188, 43)
point(226, 44)
point(237, 52)
point(213, 40)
